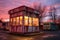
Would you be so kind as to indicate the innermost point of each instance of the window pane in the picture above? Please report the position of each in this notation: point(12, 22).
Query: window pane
point(14, 20)
point(30, 21)
point(11, 21)
point(35, 22)
point(21, 19)
point(26, 20)
point(17, 20)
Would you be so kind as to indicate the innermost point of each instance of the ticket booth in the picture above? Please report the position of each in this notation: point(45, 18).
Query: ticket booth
point(24, 20)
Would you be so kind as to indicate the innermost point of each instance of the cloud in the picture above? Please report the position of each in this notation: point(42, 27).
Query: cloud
point(6, 5)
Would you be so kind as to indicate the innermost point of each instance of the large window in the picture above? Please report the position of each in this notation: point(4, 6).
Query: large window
point(30, 21)
point(17, 20)
point(10, 20)
point(21, 19)
point(13, 21)
point(26, 20)
point(35, 22)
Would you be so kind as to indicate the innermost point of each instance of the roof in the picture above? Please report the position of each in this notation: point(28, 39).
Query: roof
point(23, 8)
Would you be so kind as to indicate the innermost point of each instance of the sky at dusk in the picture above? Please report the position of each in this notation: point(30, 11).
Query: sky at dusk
point(6, 5)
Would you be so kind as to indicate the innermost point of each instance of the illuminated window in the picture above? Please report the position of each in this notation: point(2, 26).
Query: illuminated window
point(21, 19)
point(35, 22)
point(26, 20)
point(14, 21)
point(11, 20)
point(17, 20)
point(30, 21)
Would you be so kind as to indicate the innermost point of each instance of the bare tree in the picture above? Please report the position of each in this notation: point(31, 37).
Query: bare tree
point(53, 13)
point(41, 9)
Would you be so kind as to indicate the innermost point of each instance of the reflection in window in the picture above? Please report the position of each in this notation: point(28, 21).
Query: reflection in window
point(26, 20)
point(17, 20)
point(21, 19)
point(35, 22)
point(30, 21)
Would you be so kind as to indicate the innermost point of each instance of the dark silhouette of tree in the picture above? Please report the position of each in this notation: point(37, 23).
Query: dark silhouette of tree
point(53, 14)
point(41, 10)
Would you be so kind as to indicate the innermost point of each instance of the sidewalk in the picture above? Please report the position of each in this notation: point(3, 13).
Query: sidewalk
point(27, 34)
point(43, 32)
point(37, 33)
point(32, 34)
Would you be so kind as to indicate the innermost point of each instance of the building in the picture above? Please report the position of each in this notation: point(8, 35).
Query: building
point(24, 19)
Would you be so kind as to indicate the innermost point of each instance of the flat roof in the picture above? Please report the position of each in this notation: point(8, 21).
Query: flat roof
point(23, 8)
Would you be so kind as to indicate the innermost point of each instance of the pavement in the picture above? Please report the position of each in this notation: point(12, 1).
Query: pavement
point(45, 35)
point(26, 34)
point(35, 33)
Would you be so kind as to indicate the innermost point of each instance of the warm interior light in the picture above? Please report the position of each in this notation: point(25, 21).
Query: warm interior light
point(21, 18)
point(14, 20)
point(26, 20)
point(30, 21)
point(35, 21)
point(11, 20)
point(17, 20)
